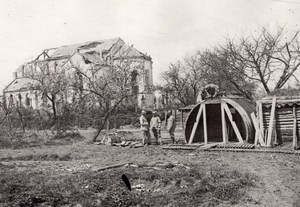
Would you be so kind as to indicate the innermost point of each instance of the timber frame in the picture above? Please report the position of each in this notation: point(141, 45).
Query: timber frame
point(277, 120)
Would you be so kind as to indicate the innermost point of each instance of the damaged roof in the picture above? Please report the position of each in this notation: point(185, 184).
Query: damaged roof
point(68, 50)
point(128, 51)
point(21, 84)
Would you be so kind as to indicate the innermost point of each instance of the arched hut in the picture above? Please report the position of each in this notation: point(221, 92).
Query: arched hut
point(220, 119)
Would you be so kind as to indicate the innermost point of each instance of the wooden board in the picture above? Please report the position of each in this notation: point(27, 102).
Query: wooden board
point(224, 125)
point(260, 136)
point(236, 146)
point(208, 146)
point(205, 124)
point(182, 146)
point(196, 124)
point(270, 128)
point(295, 137)
point(260, 117)
point(234, 126)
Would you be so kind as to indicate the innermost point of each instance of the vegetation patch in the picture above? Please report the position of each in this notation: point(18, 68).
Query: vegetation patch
point(39, 138)
point(42, 157)
point(176, 187)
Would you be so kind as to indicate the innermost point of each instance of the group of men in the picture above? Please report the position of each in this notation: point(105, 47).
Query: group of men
point(155, 127)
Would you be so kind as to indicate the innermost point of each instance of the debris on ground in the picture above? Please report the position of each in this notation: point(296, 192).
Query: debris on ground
point(111, 138)
point(130, 144)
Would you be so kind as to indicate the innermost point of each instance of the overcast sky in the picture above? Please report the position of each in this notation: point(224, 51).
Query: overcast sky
point(167, 30)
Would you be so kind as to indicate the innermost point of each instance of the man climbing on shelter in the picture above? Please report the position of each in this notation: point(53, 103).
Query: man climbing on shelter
point(145, 129)
point(155, 125)
point(171, 126)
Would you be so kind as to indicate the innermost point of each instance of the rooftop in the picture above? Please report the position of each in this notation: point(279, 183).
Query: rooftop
point(20, 84)
point(68, 50)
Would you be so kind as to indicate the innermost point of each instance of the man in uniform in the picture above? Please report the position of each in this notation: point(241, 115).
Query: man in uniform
point(171, 126)
point(145, 129)
point(155, 125)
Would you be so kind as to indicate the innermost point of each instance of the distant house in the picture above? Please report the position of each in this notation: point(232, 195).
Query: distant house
point(25, 91)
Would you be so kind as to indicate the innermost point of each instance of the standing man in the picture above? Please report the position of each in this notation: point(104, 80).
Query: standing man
point(155, 125)
point(145, 129)
point(171, 126)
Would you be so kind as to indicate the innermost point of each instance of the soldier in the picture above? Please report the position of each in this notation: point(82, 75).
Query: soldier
point(145, 129)
point(171, 126)
point(155, 125)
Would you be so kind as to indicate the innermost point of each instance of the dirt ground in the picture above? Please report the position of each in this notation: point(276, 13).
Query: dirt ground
point(67, 174)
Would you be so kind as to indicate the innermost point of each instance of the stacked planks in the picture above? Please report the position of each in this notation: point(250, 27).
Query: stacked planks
point(284, 120)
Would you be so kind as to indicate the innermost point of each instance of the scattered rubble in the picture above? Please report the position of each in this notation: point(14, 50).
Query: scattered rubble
point(111, 138)
point(115, 139)
point(130, 144)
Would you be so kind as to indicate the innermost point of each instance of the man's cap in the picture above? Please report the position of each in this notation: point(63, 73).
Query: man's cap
point(143, 112)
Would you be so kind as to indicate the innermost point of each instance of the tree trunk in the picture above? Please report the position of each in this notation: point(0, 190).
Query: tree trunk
point(101, 126)
point(21, 119)
point(54, 110)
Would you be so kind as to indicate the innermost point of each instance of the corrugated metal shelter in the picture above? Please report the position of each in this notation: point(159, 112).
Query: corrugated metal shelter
point(223, 119)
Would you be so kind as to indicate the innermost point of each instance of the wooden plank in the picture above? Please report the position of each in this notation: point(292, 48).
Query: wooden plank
point(205, 124)
point(261, 119)
point(234, 126)
point(281, 101)
point(208, 146)
point(271, 123)
point(182, 123)
point(112, 166)
point(295, 138)
point(256, 137)
point(196, 124)
point(224, 125)
point(260, 136)
point(275, 132)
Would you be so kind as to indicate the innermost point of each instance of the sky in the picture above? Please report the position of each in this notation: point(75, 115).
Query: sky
point(167, 30)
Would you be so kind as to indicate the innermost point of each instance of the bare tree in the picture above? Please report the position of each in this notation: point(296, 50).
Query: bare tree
point(182, 81)
point(269, 58)
point(215, 70)
point(109, 82)
point(51, 84)
point(185, 79)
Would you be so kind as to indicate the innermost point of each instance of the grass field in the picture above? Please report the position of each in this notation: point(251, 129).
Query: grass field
point(68, 172)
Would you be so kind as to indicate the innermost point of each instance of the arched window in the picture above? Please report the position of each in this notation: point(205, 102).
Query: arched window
point(19, 100)
point(27, 100)
point(11, 100)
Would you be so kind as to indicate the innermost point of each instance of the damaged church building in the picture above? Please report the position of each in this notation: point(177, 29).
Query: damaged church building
point(25, 90)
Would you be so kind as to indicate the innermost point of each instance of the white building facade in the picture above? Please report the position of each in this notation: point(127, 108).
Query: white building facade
point(25, 91)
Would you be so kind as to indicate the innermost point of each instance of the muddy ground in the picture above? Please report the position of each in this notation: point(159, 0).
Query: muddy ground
point(70, 173)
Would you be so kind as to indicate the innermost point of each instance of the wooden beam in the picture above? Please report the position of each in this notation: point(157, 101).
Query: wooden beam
point(224, 125)
point(111, 166)
point(205, 124)
point(196, 124)
point(271, 122)
point(256, 137)
point(275, 132)
point(182, 124)
point(260, 118)
point(234, 126)
point(295, 137)
point(259, 136)
point(280, 101)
